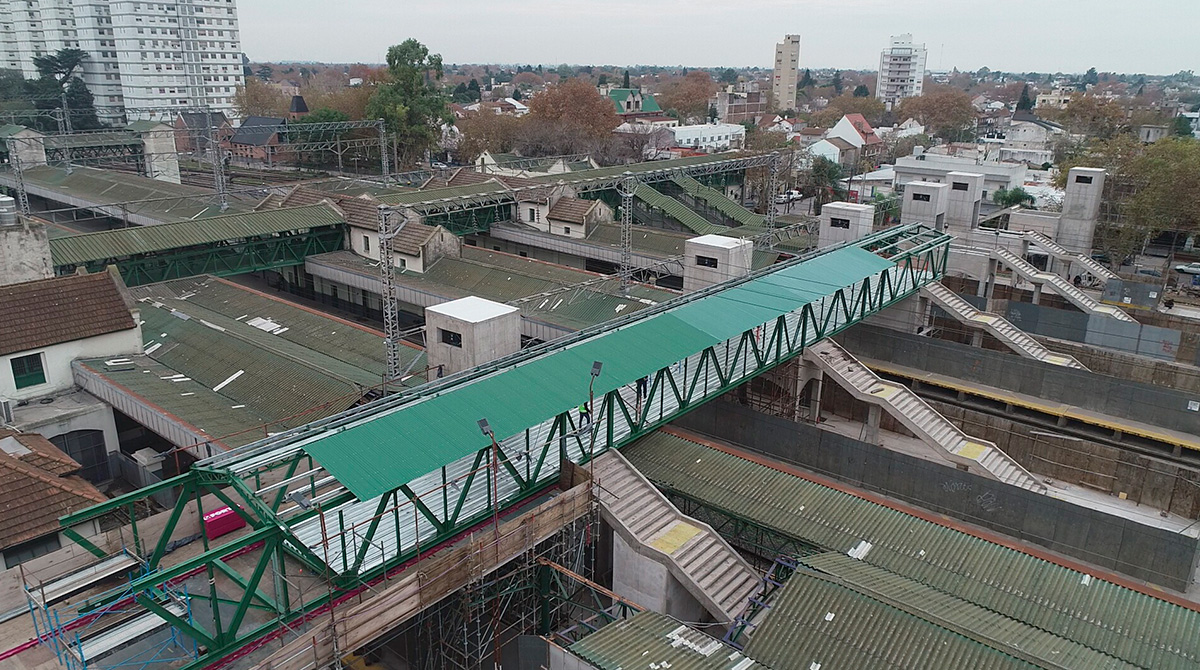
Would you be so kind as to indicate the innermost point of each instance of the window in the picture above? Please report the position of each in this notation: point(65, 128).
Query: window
point(366, 244)
point(566, 230)
point(532, 215)
point(921, 197)
point(839, 223)
point(960, 186)
point(27, 551)
point(450, 337)
point(706, 261)
point(28, 371)
point(1082, 179)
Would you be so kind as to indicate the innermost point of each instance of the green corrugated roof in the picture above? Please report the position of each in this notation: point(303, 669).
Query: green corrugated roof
point(126, 242)
point(678, 211)
point(718, 200)
point(449, 192)
point(619, 95)
point(666, 243)
point(815, 623)
point(109, 139)
point(652, 640)
point(1133, 626)
point(431, 432)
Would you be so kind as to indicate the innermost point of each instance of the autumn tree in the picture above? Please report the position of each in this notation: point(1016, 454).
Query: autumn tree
point(1090, 116)
point(577, 105)
point(485, 131)
point(258, 98)
point(1024, 101)
point(871, 108)
point(412, 104)
point(688, 96)
point(948, 112)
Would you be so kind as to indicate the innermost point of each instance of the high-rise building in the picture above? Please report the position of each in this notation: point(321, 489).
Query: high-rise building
point(144, 58)
point(901, 70)
point(787, 72)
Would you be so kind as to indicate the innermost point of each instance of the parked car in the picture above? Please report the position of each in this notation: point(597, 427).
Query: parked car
point(1148, 272)
point(1189, 269)
point(787, 196)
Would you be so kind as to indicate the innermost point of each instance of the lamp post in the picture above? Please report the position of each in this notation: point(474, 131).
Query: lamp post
point(486, 429)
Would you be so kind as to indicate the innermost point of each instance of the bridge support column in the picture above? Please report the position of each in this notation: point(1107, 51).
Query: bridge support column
point(874, 413)
point(977, 338)
point(1037, 294)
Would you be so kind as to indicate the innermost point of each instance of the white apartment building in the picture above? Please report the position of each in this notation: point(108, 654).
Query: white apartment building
point(787, 72)
point(711, 136)
point(901, 70)
point(145, 58)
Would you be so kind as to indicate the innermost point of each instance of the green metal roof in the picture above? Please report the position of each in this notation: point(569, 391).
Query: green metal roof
point(1107, 617)
point(170, 202)
point(718, 200)
point(126, 242)
point(619, 95)
point(818, 623)
point(109, 139)
point(447, 193)
point(666, 243)
point(678, 211)
point(652, 640)
point(431, 432)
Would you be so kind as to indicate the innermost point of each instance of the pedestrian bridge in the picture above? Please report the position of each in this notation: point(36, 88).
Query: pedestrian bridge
point(357, 493)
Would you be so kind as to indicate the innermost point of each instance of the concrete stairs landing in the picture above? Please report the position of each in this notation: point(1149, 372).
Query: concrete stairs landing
point(996, 326)
point(694, 554)
point(1061, 253)
point(918, 417)
point(1066, 289)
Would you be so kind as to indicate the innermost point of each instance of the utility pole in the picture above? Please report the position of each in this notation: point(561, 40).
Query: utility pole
point(383, 151)
point(772, 187)
point(627, 189)
point(214, 155)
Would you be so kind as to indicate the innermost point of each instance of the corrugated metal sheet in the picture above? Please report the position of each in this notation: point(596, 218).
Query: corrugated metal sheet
point(517, 398)
point(447, 193)
point(676, 210)
point(1000, 632)
point(1135, 627)
point(816, 623)
point(649, 640)
point(126, 242)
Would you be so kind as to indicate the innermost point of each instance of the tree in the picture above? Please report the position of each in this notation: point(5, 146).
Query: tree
point(1091, 78)
point(688, 96)
point(411, 105)
point(1010, 197)
point(517, 95)
point(947, 112)
point(729, 76)
point(297, 133)
point(602, 80)
point(625, 80)
point(264, 72)
point(871, 108)
point(473, 89)
point(1091, 116)
point(82, 106)
point(1025, 103)
point(861, 91)
point(807, 80)
point(576, 105)
point(257, 98)
point(484, 131)
point(60, 65)
point(565, 72)
point(836, 83)
point(823, 181)
point(459, 94)
point(1181, 127)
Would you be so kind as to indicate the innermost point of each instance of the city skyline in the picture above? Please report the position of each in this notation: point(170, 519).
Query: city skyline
point(1027, 36)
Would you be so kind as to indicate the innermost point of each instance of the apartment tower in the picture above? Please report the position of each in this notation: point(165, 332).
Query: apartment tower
point(901, 71)
point(787, 72)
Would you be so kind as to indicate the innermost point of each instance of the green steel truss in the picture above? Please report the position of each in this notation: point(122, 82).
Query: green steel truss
point(299, 512)
point(223, 258)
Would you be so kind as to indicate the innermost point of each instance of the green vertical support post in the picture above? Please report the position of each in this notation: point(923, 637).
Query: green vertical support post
point(543, 579)
point(137, 541)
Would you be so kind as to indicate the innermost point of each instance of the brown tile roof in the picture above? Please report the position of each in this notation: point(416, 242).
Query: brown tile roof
point(412, 237)
point(32, 498)
point(42, 453)
point(363, 212)
point(571, 210)
point(468, 176)
point(51, 311)
point(838, 142)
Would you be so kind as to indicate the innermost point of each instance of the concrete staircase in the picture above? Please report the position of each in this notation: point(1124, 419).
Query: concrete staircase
point(917, 416)
point(996, 326)
point(700, 559)
point(1058, 251)
point(1083, 301)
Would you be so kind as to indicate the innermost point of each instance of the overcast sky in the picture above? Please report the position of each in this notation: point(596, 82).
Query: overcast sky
point(1147, 36)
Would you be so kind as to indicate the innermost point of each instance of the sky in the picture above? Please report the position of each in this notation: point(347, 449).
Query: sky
point(1142, 36)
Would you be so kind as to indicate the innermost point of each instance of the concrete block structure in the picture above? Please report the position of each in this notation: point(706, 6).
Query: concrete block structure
point(844, 222)
point(1081, 209)
point(964, 200)
point(925, 202)
point(465, 333)
point(712, 259)
point(158, 142)
point(24, 247)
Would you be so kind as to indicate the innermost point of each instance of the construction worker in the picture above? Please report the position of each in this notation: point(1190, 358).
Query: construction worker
point(585, 416)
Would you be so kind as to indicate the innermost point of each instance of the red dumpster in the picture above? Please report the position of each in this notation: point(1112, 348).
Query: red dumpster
point(221, 521)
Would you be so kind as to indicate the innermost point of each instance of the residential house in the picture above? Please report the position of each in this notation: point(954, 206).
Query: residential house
point(298, 108)
point(854, 129)
point(909, 128)
point(1150, 134)
point(574, 217)
point(837, 150)
point(737, 106)
point(1057, 98)
point(257, 138)
point(634, 106)
point(192, 130)
point(38, 484)
point(807, 137)
point(1029, 139)
point(654, 141)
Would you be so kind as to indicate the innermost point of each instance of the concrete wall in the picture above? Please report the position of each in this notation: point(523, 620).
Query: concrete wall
point(925, 202)
point(1158, 406)
point(486, 331)
point(162, 163)
point(648, 583)
point(963, 201)
point(1081, 208)
point(852, 222)
point(730, 258)
point(24, 251)
point(1158, 556)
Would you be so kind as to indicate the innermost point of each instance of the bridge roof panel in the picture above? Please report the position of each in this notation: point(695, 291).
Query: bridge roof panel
point(420, 437)
point(124, 242)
